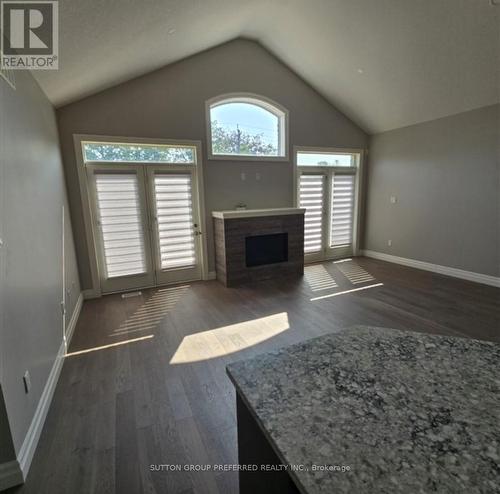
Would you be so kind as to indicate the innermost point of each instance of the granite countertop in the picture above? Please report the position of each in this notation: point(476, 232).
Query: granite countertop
point(406, 412)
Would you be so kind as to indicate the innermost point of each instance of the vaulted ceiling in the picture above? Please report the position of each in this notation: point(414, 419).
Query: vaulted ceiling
point(384, 63)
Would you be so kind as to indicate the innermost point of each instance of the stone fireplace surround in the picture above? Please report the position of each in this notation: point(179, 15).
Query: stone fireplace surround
point(231, 228)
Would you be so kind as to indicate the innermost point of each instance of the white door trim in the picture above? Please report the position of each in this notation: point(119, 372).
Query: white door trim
point(95, 290)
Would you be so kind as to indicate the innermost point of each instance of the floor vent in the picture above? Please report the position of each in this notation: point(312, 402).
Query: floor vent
point(131, 294)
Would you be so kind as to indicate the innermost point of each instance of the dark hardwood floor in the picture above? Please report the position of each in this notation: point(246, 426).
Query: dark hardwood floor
point(145, 384)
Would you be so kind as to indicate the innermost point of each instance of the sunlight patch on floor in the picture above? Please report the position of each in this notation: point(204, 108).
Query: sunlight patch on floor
point(354, 273)
point(150, 314)
point(111, 345)
point(318, 278)
point(330, 295)
point(229, 339)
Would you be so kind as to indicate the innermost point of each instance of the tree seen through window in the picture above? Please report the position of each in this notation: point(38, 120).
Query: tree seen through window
point(241, 127)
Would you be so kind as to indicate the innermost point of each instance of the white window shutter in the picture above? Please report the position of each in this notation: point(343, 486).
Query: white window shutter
point(118, 208)
point(311, 197)
point(342, 214)
point(174, 216)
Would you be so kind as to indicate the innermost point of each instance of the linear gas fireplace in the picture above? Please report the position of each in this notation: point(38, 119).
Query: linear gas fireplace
point(266, 249)
point(258, 244)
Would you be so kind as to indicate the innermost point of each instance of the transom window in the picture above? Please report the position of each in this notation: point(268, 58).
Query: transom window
point(138, 153)
point(311, 158)
point(246, 127)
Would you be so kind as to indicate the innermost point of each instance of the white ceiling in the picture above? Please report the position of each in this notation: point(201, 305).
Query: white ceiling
point(384, 63)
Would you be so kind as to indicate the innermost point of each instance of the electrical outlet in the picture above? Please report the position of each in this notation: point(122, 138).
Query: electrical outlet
point(389, 243)
point(27, 382)
point(257, 176)
point(394, 199)
point(243, 176)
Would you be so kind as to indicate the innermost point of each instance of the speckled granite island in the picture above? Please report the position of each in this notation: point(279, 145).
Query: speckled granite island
point(371, 410)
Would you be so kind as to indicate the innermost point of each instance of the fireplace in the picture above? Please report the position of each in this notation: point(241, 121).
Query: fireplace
point(258, 244)
point(266, 249)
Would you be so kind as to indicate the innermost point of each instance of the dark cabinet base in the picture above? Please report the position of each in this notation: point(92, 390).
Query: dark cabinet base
point(254, 451)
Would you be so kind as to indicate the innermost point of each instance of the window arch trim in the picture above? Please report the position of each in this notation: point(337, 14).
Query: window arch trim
point(260, 101)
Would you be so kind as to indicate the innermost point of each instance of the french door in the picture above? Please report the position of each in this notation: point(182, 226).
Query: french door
point(146, 224)
point(175, 224)
point(329, 198)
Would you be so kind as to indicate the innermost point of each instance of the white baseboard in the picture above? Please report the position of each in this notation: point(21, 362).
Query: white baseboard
point(212, 275)
point(70, 328)
point(435, 268)
point(10, 475)
point(30, 442)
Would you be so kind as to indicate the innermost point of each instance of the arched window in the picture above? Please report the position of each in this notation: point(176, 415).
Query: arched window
point(243, 126)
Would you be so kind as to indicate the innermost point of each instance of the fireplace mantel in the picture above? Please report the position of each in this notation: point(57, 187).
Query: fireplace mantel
point(251, 213)
point(281, 233)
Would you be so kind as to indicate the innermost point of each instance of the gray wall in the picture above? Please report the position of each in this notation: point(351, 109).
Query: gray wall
point(32, 195)
point(445, 174)
point(170, 103)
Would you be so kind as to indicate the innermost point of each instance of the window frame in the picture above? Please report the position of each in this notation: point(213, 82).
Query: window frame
point(254, 99)
point(358, 171)
point(84, 188)
point(144, 142)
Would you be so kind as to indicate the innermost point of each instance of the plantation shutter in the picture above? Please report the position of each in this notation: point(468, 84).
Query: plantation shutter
point(311, 197)
point(174, 216)
point(342, 214)
point(118, 209)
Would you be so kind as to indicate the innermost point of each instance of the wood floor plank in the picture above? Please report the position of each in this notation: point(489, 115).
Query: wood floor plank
point(196, 454)
point(127, 475)
point(177, 396)
point(103, 480)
